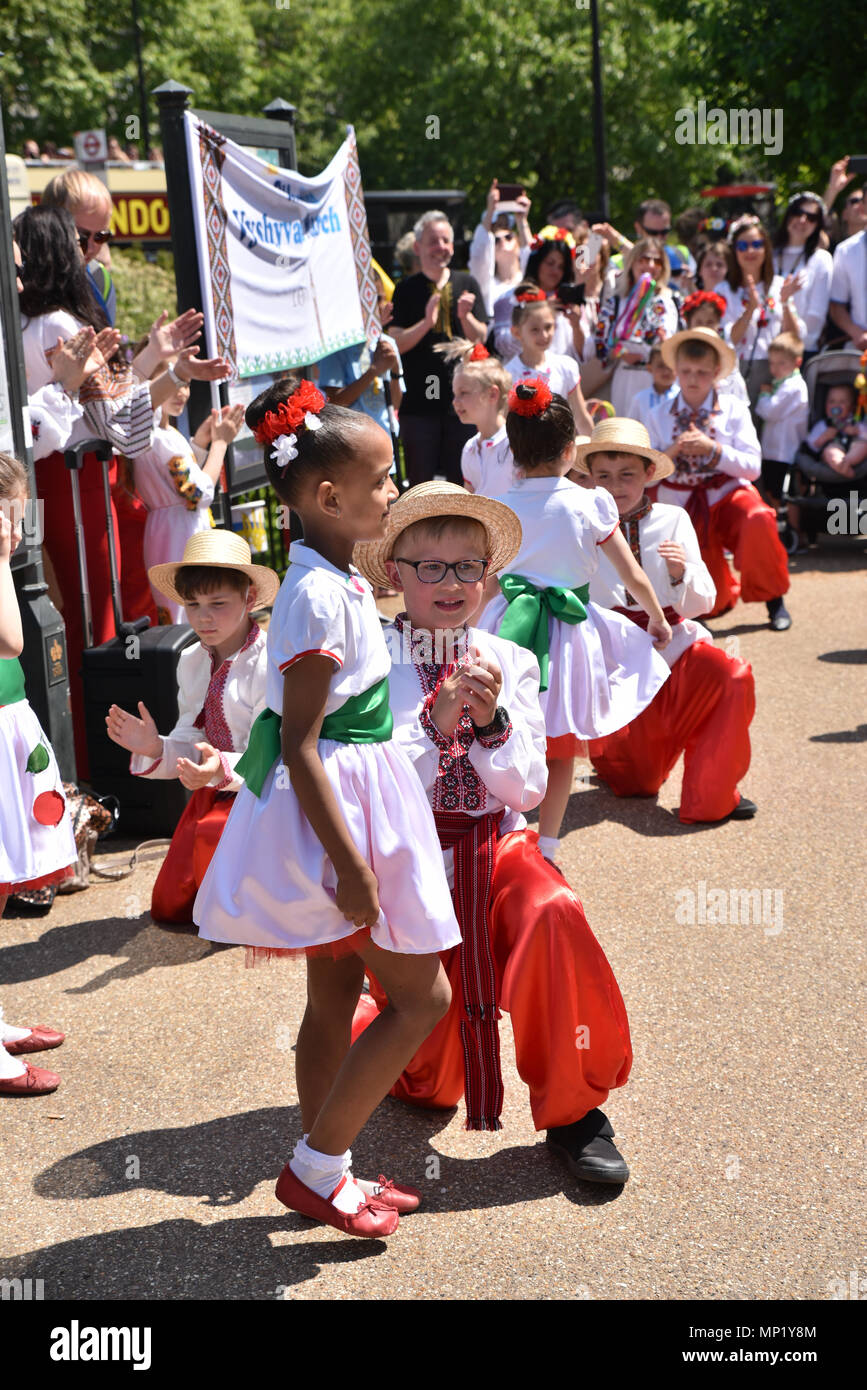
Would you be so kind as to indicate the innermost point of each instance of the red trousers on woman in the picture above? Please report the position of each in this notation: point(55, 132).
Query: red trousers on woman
point(703, 711)
point(196, 836)
point(747, 527)
point(54, 490)
point(572, 1043)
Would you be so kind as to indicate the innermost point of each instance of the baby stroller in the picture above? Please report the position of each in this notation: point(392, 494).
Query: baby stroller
point(809, 482)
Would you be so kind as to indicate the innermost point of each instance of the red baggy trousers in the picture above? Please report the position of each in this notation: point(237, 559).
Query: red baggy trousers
point(747, 527)
point(703, 711)
point(196, 836)
point(572, 1043)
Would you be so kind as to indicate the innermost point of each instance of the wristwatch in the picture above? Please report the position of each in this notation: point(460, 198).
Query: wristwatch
point(498, 725)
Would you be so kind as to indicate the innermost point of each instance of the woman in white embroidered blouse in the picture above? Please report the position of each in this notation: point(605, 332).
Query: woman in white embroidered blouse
point(797, 252)
point(758, 302)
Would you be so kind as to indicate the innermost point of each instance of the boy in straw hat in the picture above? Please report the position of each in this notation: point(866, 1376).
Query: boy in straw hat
point(704, 710)
point(221, 690)
point(712, 441)
point(466, 709)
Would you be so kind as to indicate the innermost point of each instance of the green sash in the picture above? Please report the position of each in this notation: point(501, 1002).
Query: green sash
point(11, 682)
point(364, 718)
point(526, 620)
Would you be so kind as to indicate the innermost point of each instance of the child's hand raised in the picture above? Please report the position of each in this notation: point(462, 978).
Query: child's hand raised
point(136, 735)
point(224, 429)
point(194, 775)
point(357, 896)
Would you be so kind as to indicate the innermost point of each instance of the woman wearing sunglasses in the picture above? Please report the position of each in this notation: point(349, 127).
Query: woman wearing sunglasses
point(758, 301)
point(797, 252)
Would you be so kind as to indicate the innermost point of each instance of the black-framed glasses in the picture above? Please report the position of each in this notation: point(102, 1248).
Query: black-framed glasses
point(432, 571)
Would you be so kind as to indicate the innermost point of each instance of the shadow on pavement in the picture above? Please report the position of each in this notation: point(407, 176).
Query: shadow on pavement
point(858, 735)
point(142, 945)
point(183, 1259)
point(856, 657)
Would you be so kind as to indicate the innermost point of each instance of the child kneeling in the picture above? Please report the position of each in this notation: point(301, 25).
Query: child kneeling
point(221, 690)
point(466, 710)
point(704, 710)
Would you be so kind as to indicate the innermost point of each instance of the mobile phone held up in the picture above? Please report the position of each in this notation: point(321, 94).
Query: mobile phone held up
point(857, 165)
point(570, 294)
point(509, 194)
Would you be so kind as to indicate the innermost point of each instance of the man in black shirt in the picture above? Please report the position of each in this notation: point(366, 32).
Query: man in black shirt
point(431, 307)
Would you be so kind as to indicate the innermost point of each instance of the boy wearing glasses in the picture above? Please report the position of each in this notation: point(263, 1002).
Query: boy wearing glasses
point(87, 200)
point(466, 709)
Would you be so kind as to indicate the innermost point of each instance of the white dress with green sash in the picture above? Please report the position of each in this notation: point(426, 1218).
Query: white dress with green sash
point(602, 669)
point(270, 883)
point(36, 838)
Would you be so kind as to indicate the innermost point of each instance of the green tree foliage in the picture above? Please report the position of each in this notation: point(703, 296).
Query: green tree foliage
point(449, 93)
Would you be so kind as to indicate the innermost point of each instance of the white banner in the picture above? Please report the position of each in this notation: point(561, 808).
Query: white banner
point(285, 260)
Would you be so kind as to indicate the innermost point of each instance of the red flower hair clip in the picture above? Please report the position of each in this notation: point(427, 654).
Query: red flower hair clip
point(479, 353)
point(531, 297)
point(533, 404)
point(698, 297)
point(291, 415)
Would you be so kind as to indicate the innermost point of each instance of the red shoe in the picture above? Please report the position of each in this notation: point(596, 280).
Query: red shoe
point(371, 1220)
point(36, 1081)
point(387, 1193)
point(40, 1040)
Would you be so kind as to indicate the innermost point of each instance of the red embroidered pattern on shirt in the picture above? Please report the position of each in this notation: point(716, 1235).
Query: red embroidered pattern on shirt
point(458, 786)
point(211, 718)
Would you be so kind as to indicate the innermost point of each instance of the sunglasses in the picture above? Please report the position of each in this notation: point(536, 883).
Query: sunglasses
point(432, 571)
point(810, 216)
point(656, 231)
point(856, 198)
point(750, 245)
point(84, 238)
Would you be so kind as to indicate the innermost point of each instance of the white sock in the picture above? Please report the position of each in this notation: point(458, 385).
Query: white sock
point(549, 846)
point(322, 1173)
point(10, 1034)
point(10, 1066)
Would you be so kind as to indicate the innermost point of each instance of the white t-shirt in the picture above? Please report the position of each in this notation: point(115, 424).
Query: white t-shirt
point(487, 464)
point(785, 413)
point(753, 346)
point(849, 281)
point(561, 374)
point(811, 300)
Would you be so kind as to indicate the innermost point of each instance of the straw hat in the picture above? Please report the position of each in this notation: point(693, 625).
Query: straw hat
point(441, 499)
point(710, 338)
point(623, 436)
point(218, 549)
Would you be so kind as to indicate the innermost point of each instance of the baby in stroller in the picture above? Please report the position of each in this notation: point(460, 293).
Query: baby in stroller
point(833, 456)
point(838, 439)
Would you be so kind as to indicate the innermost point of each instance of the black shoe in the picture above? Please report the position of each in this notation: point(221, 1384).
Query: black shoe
point(781, 618)
point(745, 810)
point(587, 1148)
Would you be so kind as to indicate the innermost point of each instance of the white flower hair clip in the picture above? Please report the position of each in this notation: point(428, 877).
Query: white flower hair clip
point(284, 450)
point(312, 421)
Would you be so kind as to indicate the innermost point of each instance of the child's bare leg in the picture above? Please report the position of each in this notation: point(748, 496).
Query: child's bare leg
point(333, 989)
point(552, 810)
point(419, 995)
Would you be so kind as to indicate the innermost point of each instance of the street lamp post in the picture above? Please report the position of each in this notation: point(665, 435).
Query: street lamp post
point(598, 118)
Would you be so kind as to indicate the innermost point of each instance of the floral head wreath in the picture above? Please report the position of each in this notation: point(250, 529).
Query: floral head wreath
point(693, 301)
point(530, 405)
point(749, 219)
point(531, 297)
point(478, 354)
point(551, 233)
point(280, 427)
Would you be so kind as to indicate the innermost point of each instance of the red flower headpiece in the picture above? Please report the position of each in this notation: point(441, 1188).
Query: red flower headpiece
point(479, 353)
point(530, 405)
point(698, 297)
point(531, 297)
point(290, 415)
